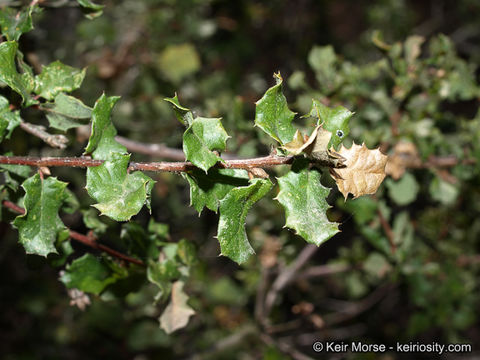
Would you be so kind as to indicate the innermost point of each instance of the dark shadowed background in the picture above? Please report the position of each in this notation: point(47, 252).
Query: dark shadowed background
point(405, 266)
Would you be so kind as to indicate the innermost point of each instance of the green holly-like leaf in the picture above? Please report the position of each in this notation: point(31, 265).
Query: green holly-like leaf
point(20, 83)
point(9, 120)
point(233, 212)
point(66, 112)
point(177, 312)
point(95, 10)
point(183, 114)
point(304, 200)
point(57, 77)
point(88, 273)
point(334, 120)
point(102, 139)
point(272, 114)
point(208, 189)
point(203, 136)
point(39, 226)
point(120, 194)
point(15, 23)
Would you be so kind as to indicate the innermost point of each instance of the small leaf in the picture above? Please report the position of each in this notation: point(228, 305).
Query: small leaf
point(405, 155)
point(208, 189)
point(88, 274)
point(304, 200)
point(163, 271)
point(177, 62)
point(15, 23)
point(66, 111)
point(102, 139)
point(177, 312)
point(322, 58)
point(95, 10)
point(120, 194)
point(57, 77)
point(413, 48)
point(9, 120)
point(186, 252)
point(9, 74)
point(376, 265)
point(183, 114)
point(443, 191)
point(272, 114)
point(403, 191)
point(364, 171)
point(334, 120)
point(323, 61)
point(92, 221)
point(39, 226)
point(200, 139)
point(160, 230)
point(233, 212)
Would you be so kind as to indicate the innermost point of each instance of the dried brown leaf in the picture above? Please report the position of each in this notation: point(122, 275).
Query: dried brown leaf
point(177, 312)
point(405, 155)
point(257, 172)
point(364, 171)
point(295, 146)
point(316, 143)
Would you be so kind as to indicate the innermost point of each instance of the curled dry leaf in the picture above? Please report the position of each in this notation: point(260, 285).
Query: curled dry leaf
point(405, 155)
point(317, 142)
point(257, 172)
point(315, 147)
point(364, 171)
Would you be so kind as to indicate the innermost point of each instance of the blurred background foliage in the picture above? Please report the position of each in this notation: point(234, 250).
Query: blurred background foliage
point(406, 265)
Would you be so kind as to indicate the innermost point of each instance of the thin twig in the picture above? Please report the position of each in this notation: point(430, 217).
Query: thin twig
point(287, 275)
point(285, 347)
point(386, 228)
point(226, 343)
point(261, 162)
point(57, 141)
point(324, 270)
point(356, 308)
point(86, 240)
point(260, 296)
point(446, 161)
